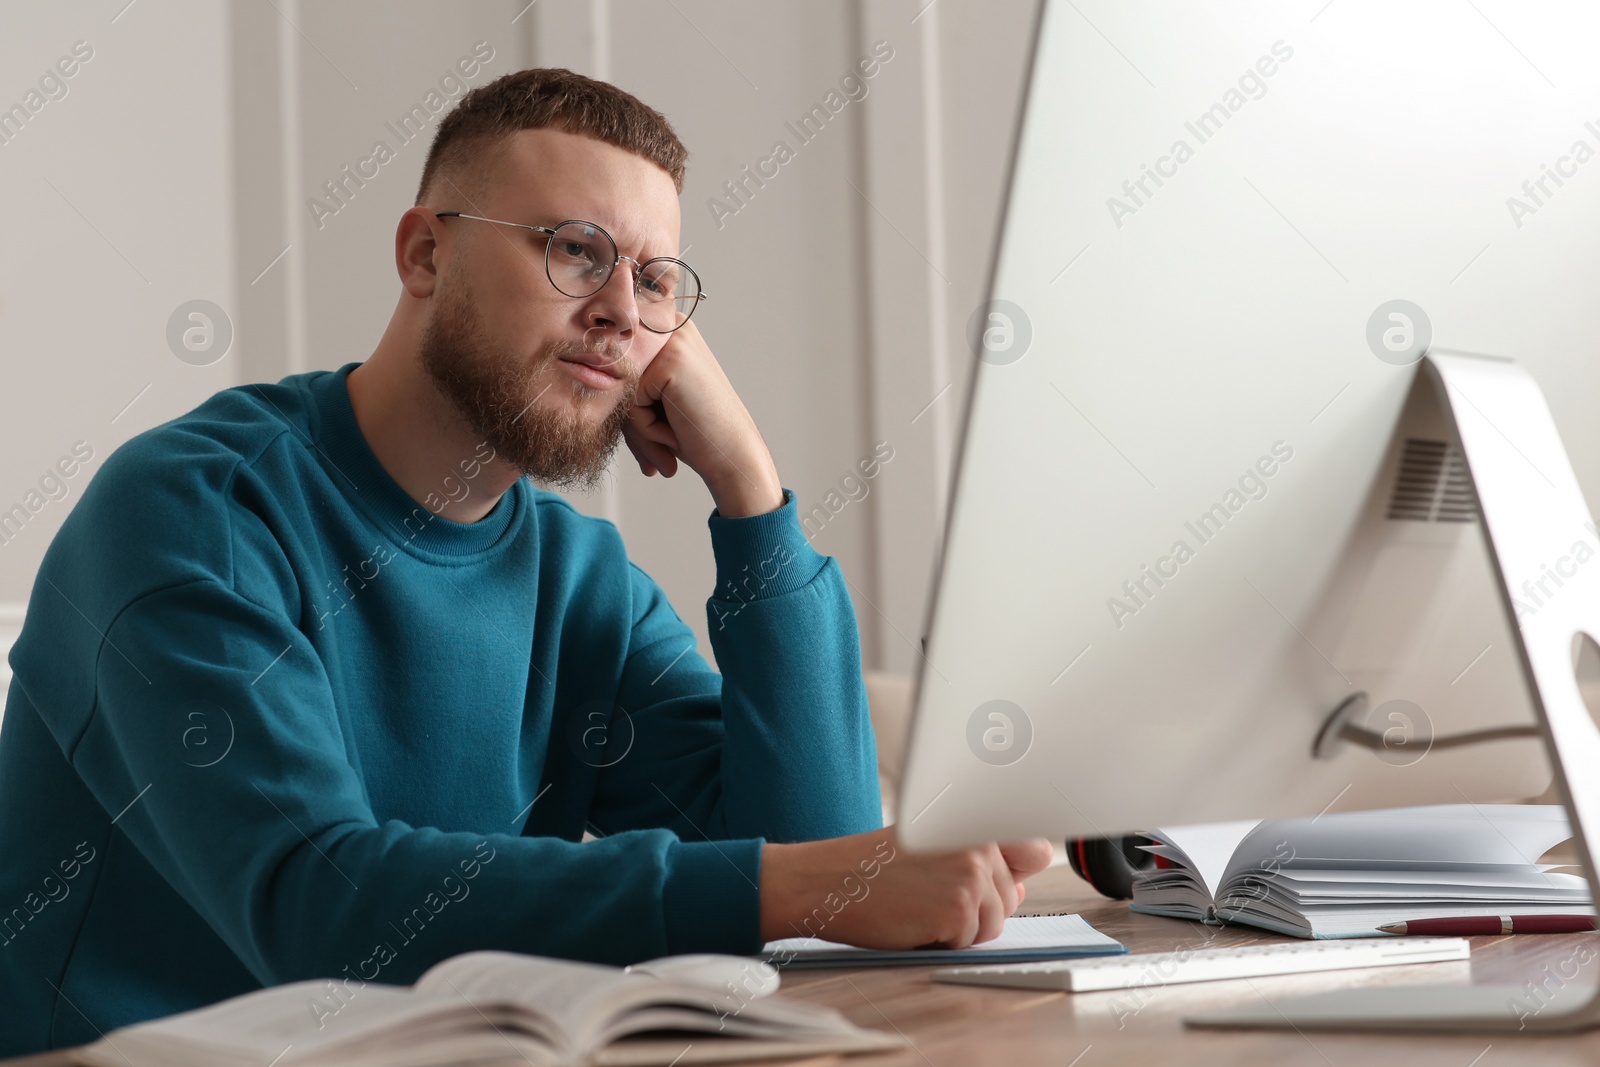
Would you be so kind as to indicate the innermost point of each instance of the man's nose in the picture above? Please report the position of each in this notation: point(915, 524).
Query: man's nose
point(614, 305)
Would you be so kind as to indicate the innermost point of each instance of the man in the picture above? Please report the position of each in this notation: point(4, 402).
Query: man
point(315, 683)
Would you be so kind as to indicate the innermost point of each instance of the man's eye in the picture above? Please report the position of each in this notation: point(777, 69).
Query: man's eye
point(659, 282)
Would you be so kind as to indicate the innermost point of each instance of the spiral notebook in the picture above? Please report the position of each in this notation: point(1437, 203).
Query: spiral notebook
point(1025, 937)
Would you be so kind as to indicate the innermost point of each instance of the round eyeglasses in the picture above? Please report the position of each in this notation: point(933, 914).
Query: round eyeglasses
point(579, 257)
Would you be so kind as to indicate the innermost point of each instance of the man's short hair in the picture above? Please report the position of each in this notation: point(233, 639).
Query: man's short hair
point(469, 140)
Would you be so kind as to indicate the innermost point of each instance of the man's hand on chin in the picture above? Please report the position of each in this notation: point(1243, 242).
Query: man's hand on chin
point(685, 410)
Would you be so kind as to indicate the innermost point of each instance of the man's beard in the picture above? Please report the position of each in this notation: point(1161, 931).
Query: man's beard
point(495, 393)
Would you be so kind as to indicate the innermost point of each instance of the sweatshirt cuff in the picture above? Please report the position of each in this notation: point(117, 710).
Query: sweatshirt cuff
point(711, 901)
point(762, 556)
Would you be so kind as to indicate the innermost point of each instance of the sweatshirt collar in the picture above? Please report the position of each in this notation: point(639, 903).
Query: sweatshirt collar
point(363, 479)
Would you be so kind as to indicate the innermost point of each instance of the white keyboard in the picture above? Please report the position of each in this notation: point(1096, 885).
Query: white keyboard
point(1142, 969)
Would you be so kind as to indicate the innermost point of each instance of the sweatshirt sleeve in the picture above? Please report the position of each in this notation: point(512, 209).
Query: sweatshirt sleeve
point(779, 746)
point(275, 845)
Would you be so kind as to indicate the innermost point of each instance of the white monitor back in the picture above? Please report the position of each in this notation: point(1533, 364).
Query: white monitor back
point(1198, 502)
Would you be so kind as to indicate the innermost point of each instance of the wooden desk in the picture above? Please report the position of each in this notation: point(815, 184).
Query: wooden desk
point(958, 1026)
point(967, 1026)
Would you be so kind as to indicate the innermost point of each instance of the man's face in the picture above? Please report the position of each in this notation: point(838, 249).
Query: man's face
point(545, 378)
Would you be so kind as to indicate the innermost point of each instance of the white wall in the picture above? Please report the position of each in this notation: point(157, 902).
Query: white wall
point(193, 139)
point(119, 208)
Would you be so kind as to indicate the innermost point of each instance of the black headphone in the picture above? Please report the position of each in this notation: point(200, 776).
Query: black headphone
point(1110, 864)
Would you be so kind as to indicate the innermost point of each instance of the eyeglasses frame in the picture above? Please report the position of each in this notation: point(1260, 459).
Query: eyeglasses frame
point(638, 267)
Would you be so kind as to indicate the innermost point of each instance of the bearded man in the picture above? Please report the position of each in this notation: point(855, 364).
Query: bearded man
point(316, 683)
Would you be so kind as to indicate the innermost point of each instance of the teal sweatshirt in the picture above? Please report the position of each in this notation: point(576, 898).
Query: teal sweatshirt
point(274, 720)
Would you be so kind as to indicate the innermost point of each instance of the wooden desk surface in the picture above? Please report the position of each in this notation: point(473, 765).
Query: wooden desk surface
point(957, 1026)
point(966, 1026)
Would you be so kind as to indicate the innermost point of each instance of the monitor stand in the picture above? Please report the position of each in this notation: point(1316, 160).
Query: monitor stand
point(1532, 511)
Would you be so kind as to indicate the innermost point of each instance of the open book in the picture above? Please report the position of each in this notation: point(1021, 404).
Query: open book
point(1345, 874)
point(494, 1005)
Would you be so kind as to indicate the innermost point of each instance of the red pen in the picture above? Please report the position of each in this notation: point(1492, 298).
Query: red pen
point(1473, 925)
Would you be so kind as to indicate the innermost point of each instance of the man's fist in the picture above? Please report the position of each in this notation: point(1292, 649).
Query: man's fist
point(862, 890)
point(685, 410)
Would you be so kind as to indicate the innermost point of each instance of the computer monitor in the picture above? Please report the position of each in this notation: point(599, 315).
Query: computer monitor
point(1208, 492)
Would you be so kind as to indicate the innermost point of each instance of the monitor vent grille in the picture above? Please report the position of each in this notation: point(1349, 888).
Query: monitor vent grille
point(1432, 485)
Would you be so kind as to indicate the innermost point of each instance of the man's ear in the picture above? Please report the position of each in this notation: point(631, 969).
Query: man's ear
point(416, 250)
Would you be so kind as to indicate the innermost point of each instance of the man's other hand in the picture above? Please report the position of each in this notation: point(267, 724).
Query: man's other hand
point(864, 890)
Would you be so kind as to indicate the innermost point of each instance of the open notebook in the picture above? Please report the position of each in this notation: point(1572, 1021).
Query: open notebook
point(1345, 874)
point(1025, 937)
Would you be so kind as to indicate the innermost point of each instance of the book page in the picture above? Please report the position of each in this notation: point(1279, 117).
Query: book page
point(559, 990)
point(589, 1004)
point(1512, 882)
point(1205, 848)
point(258, 1026)
point(1433, 837)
